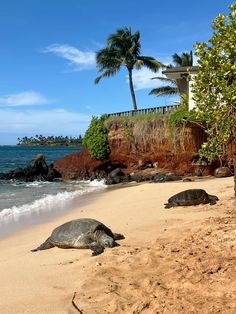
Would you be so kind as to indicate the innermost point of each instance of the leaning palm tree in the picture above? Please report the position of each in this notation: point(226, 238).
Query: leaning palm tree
point(123, 49)
point(186, 59)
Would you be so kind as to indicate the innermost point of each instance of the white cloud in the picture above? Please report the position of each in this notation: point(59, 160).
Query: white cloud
point(54, 121)
point(80, 59)
point(27, 98)
point(142, 79)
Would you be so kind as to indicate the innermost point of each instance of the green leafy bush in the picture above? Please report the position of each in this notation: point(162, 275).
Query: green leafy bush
point(96, 138)
point(180, 116)
point(214, 90)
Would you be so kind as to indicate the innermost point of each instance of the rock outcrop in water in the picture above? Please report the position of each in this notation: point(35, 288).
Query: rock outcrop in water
point(36, 170)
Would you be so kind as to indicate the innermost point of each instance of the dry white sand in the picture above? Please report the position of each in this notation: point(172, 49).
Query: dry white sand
point(172, 260)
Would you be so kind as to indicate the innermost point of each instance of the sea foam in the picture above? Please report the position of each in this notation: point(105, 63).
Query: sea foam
point(51, 202)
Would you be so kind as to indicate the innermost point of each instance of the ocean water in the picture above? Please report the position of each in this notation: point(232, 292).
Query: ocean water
point(20, 201)
point(12, 157)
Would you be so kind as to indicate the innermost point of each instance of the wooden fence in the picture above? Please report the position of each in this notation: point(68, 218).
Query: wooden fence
point(161, 110)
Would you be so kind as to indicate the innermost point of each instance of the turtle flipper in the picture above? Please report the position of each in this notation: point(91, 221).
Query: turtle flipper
point(96, 248)
point(44, 246)
point(118, 236)
point(168, 205)
point(212, 202)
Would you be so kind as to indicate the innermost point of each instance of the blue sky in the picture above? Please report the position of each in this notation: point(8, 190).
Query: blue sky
point(47, 58)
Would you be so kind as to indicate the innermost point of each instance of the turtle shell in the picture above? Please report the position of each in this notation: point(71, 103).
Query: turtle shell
point(78, 227)
point(189, 197)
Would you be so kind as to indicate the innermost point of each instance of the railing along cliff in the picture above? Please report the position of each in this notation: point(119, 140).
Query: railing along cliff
point(161, 110)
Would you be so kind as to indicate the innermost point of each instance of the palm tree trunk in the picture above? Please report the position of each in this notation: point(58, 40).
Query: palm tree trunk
point(132, 89)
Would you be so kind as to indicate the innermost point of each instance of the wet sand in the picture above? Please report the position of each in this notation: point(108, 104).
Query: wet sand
point(179, 260)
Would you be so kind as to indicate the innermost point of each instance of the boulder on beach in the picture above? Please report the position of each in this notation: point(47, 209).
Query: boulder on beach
point(222, 172)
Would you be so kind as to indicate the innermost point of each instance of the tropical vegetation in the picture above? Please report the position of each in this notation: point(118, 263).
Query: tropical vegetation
point(96, 138)
point(41, 140)
point(167, 90)
point(181, 115)
point(214, 90)
point(124, 49)
point(186, 59)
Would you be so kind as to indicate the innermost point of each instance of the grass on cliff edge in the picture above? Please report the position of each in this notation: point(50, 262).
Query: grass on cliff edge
point(154, 126)
point(135, 118)
point(139, 128)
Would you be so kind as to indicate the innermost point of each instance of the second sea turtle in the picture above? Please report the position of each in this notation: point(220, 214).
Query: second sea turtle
point(191, 197)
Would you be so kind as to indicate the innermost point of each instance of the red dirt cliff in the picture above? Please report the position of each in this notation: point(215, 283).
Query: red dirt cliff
point(137, 144)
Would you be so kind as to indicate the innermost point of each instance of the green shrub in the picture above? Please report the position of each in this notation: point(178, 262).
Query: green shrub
point(180, 116)
point(127, 131)
point(96, 138)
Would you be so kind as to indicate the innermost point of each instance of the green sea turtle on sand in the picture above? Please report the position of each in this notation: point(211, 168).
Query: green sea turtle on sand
point(82, 233)
point(191, 197)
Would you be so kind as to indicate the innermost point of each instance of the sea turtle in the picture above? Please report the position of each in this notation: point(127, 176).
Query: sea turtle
point(82, 234)
point(191, 197)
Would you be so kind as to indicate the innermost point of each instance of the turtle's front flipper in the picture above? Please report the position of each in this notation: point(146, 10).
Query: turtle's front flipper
point(212, 202)
point(44, 246)
point(118, 236)
point(168, 205)
point(96, 248)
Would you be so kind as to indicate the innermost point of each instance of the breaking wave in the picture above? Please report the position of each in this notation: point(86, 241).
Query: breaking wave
point(52, 202)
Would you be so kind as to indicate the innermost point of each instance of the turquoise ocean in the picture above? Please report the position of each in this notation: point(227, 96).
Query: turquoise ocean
point(22, 203)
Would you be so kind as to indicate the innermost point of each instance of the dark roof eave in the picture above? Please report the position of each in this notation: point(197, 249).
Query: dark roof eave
point(186, 69)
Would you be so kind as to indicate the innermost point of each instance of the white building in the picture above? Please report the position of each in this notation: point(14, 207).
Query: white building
point(184, 77)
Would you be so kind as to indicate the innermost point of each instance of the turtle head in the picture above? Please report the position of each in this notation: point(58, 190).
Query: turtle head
point(104, 240)
point(107, 241)
point(213, 199)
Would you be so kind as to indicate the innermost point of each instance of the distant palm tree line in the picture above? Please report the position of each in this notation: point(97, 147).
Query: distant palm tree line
point(40, 140)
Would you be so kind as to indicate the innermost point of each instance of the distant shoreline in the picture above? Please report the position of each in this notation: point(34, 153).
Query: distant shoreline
point(40, 140)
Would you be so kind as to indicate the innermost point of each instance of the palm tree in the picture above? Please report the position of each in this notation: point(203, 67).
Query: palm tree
point(186, 59)
point(123, 49)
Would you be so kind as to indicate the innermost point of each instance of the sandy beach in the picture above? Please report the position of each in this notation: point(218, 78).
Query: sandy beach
point(179, 260)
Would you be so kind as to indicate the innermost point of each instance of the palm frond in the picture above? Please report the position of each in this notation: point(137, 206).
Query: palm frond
point(126, 43)
point(177, 60)
point(107, 57)
point(138, 64)
point(107, 73)
point(164, 91)
point(186, 59)
point(150, 62)
point(164, 79)
point(121, 39)
point(134, 50)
